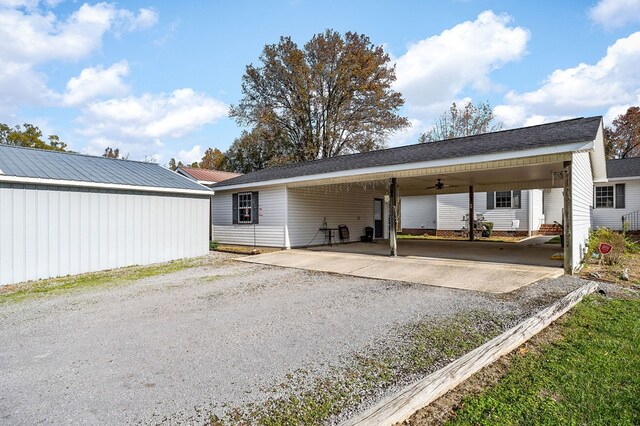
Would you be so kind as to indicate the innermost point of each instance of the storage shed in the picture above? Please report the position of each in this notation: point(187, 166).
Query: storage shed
point(66, 213)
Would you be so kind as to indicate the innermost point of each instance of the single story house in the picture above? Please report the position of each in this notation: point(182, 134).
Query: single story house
point(528, 212)
point(297, 205)
point(66, 213)
point(207, 178)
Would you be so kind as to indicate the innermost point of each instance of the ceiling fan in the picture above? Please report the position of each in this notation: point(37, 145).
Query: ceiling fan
point(440, 185)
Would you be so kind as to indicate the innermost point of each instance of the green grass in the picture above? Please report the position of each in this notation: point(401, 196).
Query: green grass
point(433, 237)
point(591, 376)
point(62, 285)
point(554, 240)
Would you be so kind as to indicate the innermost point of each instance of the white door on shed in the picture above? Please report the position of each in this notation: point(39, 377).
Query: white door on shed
point(419, 212)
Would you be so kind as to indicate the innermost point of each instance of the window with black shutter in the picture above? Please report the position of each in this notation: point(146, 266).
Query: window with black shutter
point(245, 208)
point(620, 196)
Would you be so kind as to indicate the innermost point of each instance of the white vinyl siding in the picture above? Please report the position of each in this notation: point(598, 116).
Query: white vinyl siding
point(553, 205)
point(535, 204)
point(269, 232)
point(49, 231)
point(419, 212)
point(581, 205)
point(309, 206)
point(453, 207)
point(612, 217)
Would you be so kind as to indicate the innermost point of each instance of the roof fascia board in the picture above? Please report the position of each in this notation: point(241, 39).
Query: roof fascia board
point(620, 179)
point(578, 146)
point(82, 184)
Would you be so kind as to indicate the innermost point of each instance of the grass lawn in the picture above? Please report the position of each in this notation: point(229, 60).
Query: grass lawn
point(55, 286)
point(589, 375)
point(454, 238)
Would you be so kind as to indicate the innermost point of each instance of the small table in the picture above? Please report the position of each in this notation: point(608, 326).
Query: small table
point(329, 235)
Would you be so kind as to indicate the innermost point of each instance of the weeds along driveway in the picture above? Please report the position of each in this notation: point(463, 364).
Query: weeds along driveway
point(183, 346)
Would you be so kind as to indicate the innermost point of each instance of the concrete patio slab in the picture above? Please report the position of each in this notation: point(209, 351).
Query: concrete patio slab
point(490, 277)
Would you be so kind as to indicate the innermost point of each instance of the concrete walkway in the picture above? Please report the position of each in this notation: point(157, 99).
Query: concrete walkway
point(453, 273)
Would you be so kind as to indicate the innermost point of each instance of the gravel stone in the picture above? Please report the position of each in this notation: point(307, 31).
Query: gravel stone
point(171, 347)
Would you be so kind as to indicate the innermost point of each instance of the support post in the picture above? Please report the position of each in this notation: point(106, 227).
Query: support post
point(568, 219)
point(472, 223)
point(393, 217)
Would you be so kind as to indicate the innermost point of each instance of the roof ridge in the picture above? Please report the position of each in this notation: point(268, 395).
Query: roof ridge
point(75, 153)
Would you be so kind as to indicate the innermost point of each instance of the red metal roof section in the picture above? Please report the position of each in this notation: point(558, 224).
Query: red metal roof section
point(209, 175)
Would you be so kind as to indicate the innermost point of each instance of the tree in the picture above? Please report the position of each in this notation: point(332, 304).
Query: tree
point(623, 139)
point(213, 159)
point(254, 151)
point(468, 121)
point(30, 137)
point(114, 153)
point(331, 97)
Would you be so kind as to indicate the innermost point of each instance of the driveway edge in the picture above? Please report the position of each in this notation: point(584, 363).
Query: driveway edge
point(400, 406)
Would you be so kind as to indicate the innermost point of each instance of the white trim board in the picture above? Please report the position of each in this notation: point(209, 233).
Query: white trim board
point(83, 184)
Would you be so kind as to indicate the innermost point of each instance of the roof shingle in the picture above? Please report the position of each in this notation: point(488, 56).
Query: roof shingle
point(623, 167)
point(207, 175)
point(544, 135)
point(43, 164)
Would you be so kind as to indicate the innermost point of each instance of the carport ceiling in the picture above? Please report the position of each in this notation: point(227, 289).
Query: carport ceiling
point(521, 177)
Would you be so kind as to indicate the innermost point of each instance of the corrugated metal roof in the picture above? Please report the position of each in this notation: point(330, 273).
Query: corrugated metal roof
point(544, 135)
point(623, 167)
point(43, 164)
point(207, 175)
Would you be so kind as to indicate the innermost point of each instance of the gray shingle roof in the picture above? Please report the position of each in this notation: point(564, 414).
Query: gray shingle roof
point(37, 163)
point(624, 167)
point(544, 135)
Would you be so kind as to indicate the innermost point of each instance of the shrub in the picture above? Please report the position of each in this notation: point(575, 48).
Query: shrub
point(489, 226)
point(617, 241)
point(213, 245)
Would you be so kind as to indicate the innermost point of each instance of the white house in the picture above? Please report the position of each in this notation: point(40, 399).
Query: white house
point(527, 212)
point(618, 200)
point(65, 213)
point(303, 204)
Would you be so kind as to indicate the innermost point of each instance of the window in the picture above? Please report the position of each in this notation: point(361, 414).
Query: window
point(244, 207)
point(503, 199)
point(604, 196)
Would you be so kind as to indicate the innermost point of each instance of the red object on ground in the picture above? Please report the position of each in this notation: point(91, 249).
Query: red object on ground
point(605, 248)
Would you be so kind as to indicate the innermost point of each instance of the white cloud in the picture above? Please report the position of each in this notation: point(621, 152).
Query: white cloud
point(194, 154)
point(31, 34)
point(435, 70)
point(615, 13)
point(613, 81)
point(152, 115)
point(95, 82)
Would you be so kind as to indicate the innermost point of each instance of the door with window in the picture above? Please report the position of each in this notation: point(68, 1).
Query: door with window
point(377, 217)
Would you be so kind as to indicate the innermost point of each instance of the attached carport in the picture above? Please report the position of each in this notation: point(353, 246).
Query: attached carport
point(567, 154)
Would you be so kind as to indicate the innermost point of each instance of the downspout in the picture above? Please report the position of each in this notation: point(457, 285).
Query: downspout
point(287, 242)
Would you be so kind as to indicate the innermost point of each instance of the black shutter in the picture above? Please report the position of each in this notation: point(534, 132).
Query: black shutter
point(234, 212)
point(491, 198)
point(517, 199)
point(619, 195)
point(255, 207)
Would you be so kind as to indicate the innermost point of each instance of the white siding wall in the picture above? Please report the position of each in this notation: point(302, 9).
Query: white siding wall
point(453, 207)
point(612, 217)
point(553, 205)
point(269, 232)
point(581, 204)
point(419, 212)
point(537, 210)
point(48, 231)
point(308, 207)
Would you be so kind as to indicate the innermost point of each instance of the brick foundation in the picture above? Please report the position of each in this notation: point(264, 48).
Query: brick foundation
point(418, 231)
point(456, 233)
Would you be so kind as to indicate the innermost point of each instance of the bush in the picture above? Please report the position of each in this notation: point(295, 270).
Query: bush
point(617, 241)
point(489, 230)
point(213, 245)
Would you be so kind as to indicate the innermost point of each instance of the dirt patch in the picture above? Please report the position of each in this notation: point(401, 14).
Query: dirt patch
point(445, 407)
point(245, 249)
point(613, 273)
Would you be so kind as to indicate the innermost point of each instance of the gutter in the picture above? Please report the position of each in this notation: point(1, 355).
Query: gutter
point(84, 184)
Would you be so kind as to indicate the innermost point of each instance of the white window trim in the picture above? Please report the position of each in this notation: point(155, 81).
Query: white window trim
point(240, 207)
point(595, 196)
point(495, 201)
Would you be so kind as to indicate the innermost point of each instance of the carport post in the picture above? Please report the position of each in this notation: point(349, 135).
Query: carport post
point(472, 224)
point(393, 203)
point(568, 219)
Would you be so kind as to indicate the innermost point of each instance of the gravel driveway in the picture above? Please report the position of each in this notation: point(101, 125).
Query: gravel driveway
point(162, 349)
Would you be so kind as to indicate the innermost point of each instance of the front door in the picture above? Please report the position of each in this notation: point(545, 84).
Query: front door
point(377, 218)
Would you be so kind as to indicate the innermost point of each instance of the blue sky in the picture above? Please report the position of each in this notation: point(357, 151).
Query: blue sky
point(157, 78)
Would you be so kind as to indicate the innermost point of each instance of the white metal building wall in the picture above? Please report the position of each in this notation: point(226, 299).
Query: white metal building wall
point(49, 231)
point(453, 207)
